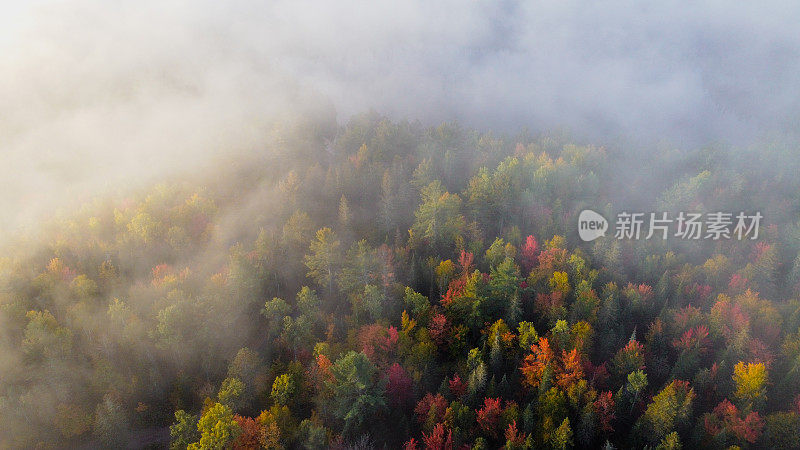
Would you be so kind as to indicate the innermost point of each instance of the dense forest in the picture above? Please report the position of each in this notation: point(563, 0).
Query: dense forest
point(387, 284)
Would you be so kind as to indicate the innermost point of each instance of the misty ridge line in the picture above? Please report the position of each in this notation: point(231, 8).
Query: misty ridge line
point(95, 96)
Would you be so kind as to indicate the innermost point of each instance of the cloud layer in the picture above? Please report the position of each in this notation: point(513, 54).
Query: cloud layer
point(98, 94)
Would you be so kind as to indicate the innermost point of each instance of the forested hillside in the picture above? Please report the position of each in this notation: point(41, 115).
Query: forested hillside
point(392, 285)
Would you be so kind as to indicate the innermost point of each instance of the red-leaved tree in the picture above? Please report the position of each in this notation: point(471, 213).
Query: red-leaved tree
point(489, 415)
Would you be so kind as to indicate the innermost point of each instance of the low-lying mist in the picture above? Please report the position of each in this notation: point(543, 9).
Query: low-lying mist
point(96, 95)
point(166, 167)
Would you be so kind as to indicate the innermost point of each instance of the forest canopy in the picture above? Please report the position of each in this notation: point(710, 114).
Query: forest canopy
point(394, 285)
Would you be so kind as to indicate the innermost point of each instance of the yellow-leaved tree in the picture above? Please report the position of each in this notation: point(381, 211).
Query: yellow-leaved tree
point(751, 383)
